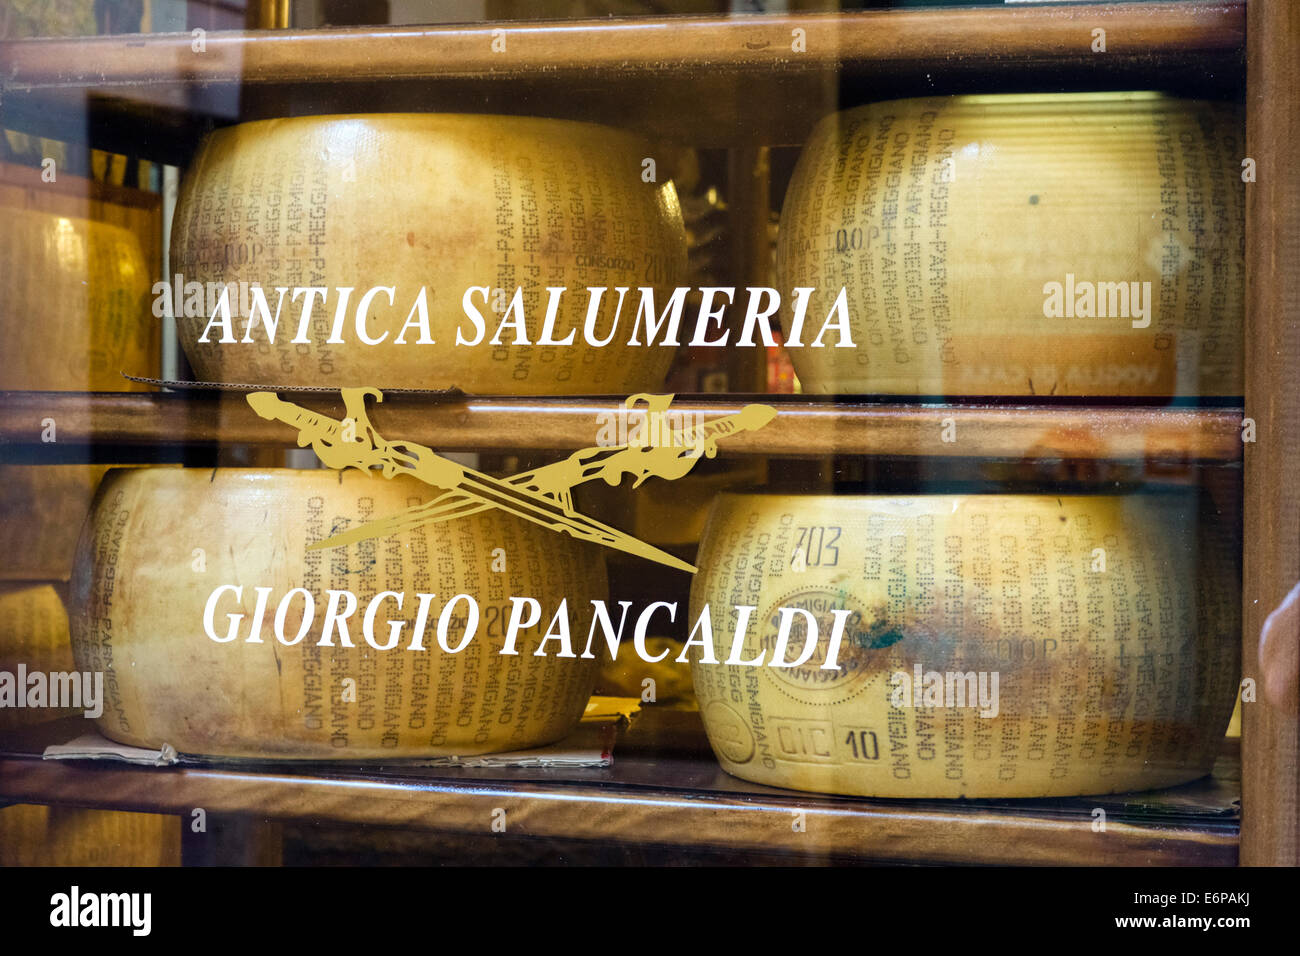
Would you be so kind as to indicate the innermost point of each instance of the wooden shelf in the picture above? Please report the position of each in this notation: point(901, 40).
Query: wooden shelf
point(662, 795)
point(704, 80)
point(97, 425)
point(995, 37)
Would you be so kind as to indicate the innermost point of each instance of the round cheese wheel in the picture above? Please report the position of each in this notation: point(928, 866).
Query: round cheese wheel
point(443, 202)
point(33, 633)
point(77, 295)
point(1082, 244)
point(42, 508)
point(34, 835)
point(160, 541)
point(76, 302)
point(991, 645)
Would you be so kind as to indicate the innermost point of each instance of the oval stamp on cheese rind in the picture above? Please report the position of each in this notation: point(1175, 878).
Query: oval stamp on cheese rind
point(862, 653)
point(729, 733)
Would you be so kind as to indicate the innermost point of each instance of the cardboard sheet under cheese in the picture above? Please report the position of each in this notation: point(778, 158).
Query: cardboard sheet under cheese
point(447, 202)
point(1112, 632)
point(945, 219)
point(161, 539)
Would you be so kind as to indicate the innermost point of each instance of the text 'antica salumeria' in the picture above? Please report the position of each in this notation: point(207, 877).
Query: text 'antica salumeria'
point(458, 623)
point(650, 326)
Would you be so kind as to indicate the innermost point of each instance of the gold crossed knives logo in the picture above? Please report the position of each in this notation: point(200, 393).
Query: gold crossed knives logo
point(542, 496)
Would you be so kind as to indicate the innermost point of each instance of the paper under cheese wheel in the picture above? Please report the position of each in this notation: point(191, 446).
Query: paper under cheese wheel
point(42, 508)
point(33, 633)
point(160, 540)
point(946, 221)
point(34, 835)
point(1116, 668)
point(447, 202)
point(76, 305)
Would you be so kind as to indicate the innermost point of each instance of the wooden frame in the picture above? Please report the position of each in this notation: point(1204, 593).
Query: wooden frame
point(151, 94)
point(1270, 832)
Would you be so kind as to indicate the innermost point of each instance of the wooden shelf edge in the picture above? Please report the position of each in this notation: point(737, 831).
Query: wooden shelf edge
point(105, 421)
point(593, 811)
point(998, 38)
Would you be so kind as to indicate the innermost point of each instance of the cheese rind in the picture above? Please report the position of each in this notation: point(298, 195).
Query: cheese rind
point(76, 305)
point(42, 508)
point(34, 634)
point(34, 835)
point(947, 220)
point(160, 540)
point(1112, 635)
point(445, 202)
point(75, 302)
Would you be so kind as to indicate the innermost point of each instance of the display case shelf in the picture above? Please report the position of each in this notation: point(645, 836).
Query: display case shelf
point(664, 790)
point(702, 80)
point(989, 38)
point(802, 428)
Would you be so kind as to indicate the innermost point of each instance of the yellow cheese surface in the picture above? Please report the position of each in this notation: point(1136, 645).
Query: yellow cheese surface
point(161, 539)
point(42, 508)
point(34, 633)
point(447, 202)
point(1112, 633)
point(946, 219)
point(33, 835)
point(75, 302)
point(75, 299)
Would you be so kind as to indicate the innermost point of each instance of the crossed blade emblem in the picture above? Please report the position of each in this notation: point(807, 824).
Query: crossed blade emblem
point(542, 496)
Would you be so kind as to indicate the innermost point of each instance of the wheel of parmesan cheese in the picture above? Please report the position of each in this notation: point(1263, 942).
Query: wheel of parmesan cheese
point(34, 835)
point(1082, 244)
point(33, 635)
point(76, 315)
point(991, 645)
point(180, 668)
point(42, 508)
point(443, 202)
point(75, 302)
